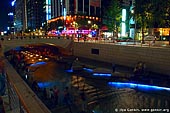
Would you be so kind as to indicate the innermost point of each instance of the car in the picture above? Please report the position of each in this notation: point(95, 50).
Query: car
point(150, 38)
point(124, 39)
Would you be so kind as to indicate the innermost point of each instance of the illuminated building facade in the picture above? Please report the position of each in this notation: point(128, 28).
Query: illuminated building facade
point(47, 9)
point(85, 7)
point(125, 30)
point(36, 13)
point(31, 14)
point(132, 22)
point(20, 16)
point(73, 14)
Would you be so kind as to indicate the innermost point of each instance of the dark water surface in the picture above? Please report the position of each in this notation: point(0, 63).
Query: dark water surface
point(100, 97)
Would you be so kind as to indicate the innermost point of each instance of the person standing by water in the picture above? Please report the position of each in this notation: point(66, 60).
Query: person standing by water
point(67, 99)
point(56, 93)
point(113, 67)
point(35, 86)
point(83, 101)
point(2, 110)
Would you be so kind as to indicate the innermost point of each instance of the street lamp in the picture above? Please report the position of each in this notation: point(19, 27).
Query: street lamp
point(89, 22)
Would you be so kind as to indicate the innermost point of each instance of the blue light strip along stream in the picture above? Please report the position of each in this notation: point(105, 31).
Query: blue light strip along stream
point(138, 86)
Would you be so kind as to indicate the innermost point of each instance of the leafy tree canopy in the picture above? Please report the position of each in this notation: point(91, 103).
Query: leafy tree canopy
point(113, 13)
point(152, 13)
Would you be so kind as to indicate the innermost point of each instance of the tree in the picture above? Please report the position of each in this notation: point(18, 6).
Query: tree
point(161, 13)
point(142, 15)
point(113, 14)
point(151, 14)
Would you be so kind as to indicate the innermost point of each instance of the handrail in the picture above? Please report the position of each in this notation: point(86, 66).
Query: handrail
point(27, 98)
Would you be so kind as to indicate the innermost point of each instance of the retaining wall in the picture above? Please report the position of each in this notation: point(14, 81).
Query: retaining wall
point(156, 59)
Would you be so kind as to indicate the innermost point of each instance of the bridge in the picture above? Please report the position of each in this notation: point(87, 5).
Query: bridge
point(22, 98)
point(8, 43)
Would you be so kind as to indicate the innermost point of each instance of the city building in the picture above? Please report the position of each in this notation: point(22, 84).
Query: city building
point(20, 20)
point(66, 17)
point(29, 15)
point(77, 18)
point(74, 16)
point(10, 19)
point(35, 14)
point(132, 23)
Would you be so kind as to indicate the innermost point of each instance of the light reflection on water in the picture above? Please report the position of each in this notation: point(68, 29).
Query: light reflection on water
point(102, 98)
point(133, 100)
point(138, 86)
point(128, 97)
point(111, 100)
point(122, 99)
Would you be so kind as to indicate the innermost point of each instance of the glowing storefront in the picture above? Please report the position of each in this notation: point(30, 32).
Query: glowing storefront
point(68, 14)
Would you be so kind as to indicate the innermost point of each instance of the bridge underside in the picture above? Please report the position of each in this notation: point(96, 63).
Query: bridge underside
point(64, 45)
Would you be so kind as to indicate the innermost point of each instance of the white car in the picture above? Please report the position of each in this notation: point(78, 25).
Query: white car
point(150, 39)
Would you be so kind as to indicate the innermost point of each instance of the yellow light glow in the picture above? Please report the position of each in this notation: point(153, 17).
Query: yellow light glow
point(39, 59)
point(46, 58)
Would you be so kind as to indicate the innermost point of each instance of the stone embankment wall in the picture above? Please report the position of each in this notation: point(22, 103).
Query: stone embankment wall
point(156, 59)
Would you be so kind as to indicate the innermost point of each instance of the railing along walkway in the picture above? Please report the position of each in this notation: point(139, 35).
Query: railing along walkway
point(19, 92)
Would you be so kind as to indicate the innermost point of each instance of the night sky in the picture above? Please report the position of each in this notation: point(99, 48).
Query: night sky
point(4, 10)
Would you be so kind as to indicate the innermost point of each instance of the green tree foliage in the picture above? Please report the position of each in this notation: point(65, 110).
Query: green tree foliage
point(113, 13)
point(152, 13)
point(161, 13)
point(142, 14)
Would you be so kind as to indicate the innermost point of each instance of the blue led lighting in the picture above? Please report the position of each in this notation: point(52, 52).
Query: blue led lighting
point(88, 70)
point(139, 86)
point(13, 3)
point(43, 84)
point(102, 74)
point(47, 84)
point(69, 70)
point(38, 63)
point(17, 49)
